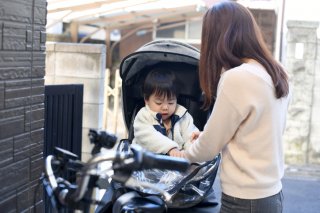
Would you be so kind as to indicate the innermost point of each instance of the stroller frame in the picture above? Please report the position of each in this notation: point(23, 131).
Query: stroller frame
point(183, 60)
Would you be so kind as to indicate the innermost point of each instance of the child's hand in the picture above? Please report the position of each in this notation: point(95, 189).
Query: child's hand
point(194, 136)
point(176, 153)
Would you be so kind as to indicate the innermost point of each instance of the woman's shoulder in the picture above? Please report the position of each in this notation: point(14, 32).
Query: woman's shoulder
point(234, 77)
point(246, 72)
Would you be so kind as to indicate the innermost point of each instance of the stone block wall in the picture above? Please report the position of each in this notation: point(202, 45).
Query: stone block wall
point(314, 154)
point(302, 137)
point(74, 63)
point(22, 65)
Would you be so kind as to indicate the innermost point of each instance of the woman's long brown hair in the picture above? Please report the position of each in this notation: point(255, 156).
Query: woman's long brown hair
point(229, 35)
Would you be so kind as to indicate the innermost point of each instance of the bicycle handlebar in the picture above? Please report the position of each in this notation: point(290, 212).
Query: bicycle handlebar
point(138, 159)
point(149, 160)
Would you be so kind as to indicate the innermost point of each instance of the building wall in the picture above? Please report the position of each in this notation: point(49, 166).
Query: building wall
point(132, 43)
point(314, 154)
point(74, 63)
point(302, 137)
point(22, 64)
point(266, 19)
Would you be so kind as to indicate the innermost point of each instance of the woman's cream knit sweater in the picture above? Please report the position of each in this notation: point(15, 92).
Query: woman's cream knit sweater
point(246, 125)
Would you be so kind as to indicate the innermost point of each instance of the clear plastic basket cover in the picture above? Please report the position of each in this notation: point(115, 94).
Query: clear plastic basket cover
point(162, 179)
point(187, 189)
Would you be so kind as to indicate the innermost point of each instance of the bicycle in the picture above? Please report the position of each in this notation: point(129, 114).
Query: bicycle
point(77, 195)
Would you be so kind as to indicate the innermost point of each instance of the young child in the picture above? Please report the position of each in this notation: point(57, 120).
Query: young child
point(163, 126)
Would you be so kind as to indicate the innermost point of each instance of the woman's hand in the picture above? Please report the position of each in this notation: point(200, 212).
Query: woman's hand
point(176, 153)
point(194, 136)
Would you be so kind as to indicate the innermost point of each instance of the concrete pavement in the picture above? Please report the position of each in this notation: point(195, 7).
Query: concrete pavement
point(301, 190)
point(301, 195)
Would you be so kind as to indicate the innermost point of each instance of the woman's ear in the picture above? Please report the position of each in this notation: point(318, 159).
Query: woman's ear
point(146, 102)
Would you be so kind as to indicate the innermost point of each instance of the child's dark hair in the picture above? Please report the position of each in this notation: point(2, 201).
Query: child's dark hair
point(161, 82)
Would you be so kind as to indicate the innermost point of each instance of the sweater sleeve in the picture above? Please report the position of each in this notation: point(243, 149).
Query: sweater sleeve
point(187, 128)
point(220, 127)
point(148, 137)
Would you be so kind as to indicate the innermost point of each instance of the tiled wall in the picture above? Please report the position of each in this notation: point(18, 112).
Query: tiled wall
point(22, 65)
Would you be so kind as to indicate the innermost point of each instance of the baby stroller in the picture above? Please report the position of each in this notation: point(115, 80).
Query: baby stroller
point(193, 191)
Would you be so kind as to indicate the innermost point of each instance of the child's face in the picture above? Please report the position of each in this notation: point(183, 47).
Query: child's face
point(162, 105)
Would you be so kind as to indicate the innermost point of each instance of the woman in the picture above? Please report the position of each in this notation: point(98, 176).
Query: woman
point(251, 94)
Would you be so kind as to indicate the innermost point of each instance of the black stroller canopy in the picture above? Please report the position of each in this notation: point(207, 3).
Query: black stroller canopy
point(155, 52)
point(179, 57)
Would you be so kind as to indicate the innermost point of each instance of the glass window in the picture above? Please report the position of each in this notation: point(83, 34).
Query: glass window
point(177, 32)
point(194, 29)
